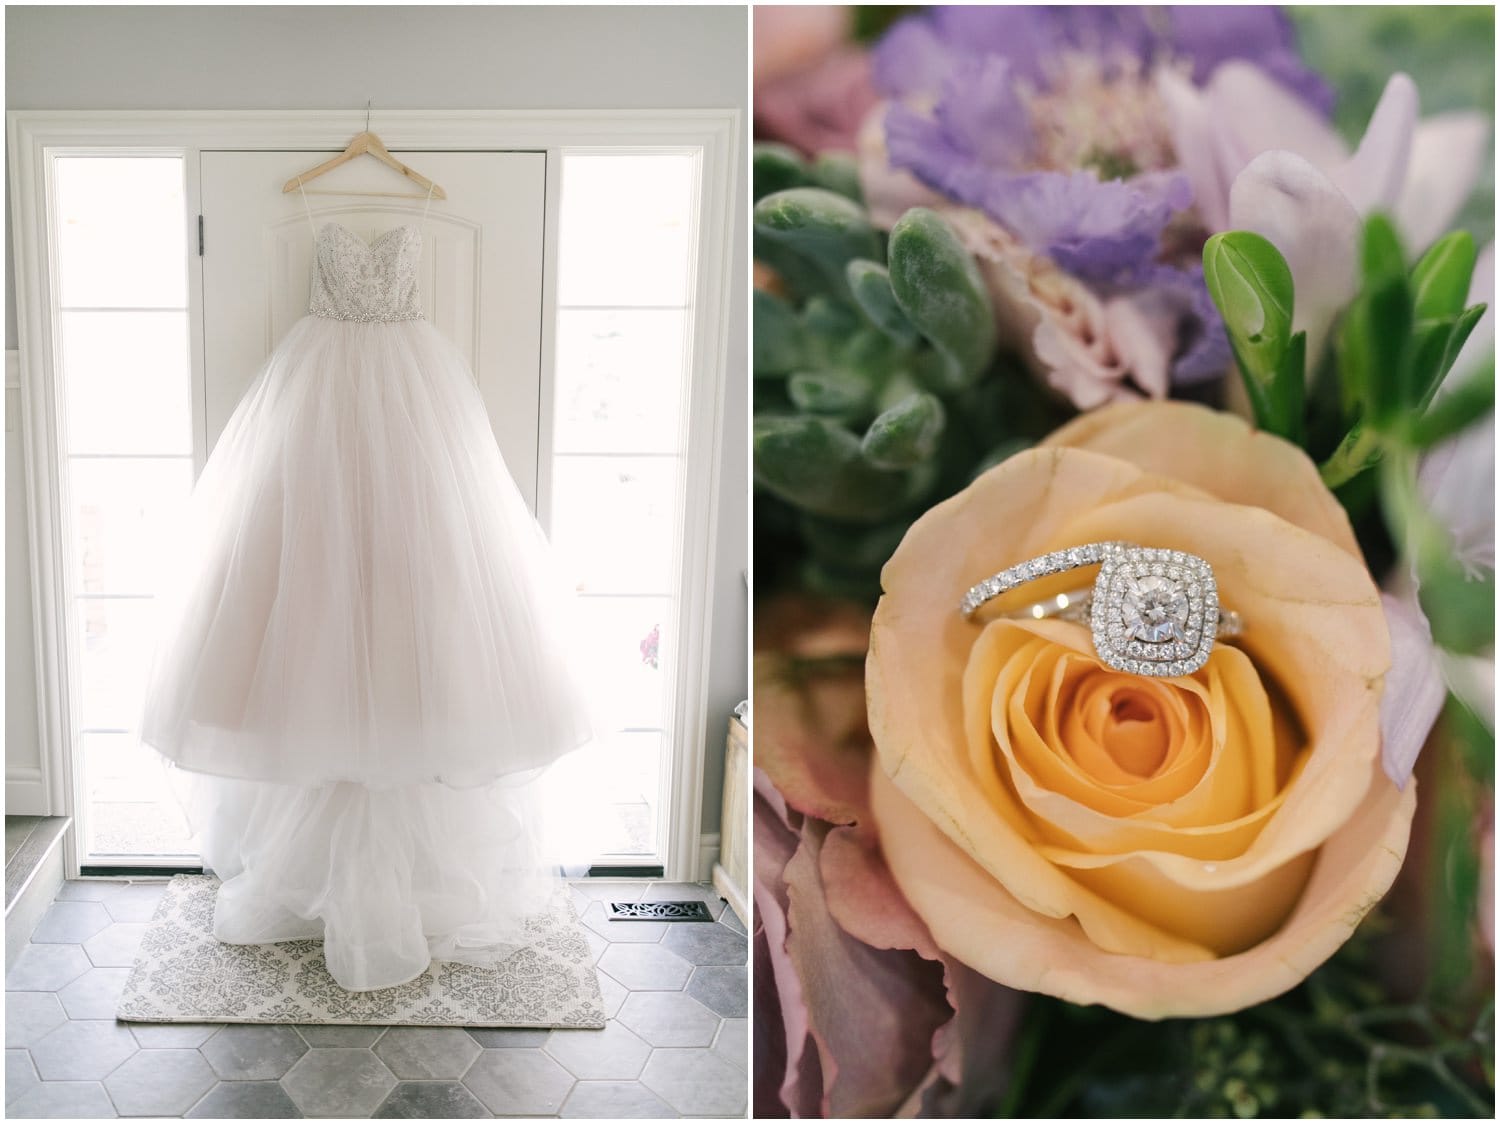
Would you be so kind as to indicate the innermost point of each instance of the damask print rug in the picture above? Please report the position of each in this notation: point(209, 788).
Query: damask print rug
point(183, 974)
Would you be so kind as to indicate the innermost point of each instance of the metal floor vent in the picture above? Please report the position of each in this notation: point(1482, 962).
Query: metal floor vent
point(659, 911)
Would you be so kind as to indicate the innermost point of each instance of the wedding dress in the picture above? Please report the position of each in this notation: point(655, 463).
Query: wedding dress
point(366, 659)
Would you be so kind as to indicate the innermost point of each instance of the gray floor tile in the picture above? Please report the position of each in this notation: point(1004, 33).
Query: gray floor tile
point(64, 1100)
point(31, 1015)
point(722, 989)
point(669, 1018)
point(95, 994)
point(695, 1082)
point(338, 1082)
point(70, 923)
point(499, 1037)
point(597, 945)
point(431, 1100)
point(88, 889)
point(606, 1100)
point(172, 1036)
point(253, 1053)
point(160, 1083)
point(245, 1100)
point(116, 946)
point(613, 1054)
point(82, 1051)
point(733, 1043)
point(597, 919)
point(731, 920)
point(340, 1035)
point(707, 944)
point(46, 967)
point(20, 1075)
point(518, 1082)
point(136, 902)
point(613, 993)
point(645, 967)
point(426, 1052)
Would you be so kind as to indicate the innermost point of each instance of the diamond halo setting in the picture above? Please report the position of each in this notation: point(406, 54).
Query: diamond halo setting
point(1152, 611)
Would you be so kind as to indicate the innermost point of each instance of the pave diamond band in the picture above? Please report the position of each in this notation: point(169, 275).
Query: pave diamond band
point(1151, 611)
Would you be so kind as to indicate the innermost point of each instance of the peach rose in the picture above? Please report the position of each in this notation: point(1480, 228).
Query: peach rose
point(1165, 847)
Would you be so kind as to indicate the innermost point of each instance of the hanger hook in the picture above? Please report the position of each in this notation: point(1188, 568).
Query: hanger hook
point(367, 113)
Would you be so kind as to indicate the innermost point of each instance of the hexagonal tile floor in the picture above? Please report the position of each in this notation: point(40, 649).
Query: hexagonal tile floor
point(676, 1043)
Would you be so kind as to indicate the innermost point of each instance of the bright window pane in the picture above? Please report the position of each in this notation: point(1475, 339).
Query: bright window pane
point(126, 379)
point(114, 651)
point(632, 640)
point(615, 520)
point(619, 381)
point(124, 511)
point(131, 807)
point(121, 230)
point(626, 231)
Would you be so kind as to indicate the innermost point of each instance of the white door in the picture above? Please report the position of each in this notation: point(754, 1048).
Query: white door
point(481, 286)
point(481, 271)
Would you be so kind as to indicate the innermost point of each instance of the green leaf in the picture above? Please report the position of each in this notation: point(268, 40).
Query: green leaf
point(838, 172)
point(1251, 284)
point(938, 286)
point(820, 227)
point(819, 466)
point(777, 346)
point(1440, 281)
point(870, 284)
point(1459, 606)
point(906, 434)
point(1359, 450)
point(775, 167)
point(1381, 257)
point(1455, 411)
point(831, 393)
point(1375, 364)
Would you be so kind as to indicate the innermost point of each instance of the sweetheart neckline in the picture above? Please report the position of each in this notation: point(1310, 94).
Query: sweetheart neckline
point(370, 245)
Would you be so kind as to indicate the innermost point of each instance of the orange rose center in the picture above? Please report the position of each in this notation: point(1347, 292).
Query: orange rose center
point(1134, 733)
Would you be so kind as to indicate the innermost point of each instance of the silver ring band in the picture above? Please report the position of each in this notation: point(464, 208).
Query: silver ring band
point(1151, 611)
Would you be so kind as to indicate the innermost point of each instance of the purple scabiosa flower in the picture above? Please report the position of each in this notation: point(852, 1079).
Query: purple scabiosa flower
point(1051, 123)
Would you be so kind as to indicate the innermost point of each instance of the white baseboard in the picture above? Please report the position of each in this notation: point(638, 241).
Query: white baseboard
point(708, 855)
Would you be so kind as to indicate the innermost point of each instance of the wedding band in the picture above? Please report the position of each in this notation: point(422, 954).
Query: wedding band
point(1151, 611)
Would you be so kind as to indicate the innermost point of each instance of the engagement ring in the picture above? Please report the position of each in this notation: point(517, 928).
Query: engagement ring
point(1152, 612)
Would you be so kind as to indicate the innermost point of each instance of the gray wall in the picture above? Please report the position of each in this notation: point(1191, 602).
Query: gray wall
point(423, 57)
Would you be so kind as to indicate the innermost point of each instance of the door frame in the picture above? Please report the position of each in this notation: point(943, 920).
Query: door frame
point(36, 136)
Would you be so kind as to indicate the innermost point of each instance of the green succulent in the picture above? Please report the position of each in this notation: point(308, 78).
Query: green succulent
point(879, 387)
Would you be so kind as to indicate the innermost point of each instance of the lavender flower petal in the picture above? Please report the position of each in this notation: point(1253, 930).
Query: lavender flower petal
point(1203, 348)
point(1094, 229)
point(1262, 35)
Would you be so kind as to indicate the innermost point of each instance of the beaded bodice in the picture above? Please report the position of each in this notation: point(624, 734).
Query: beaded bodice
point(371, 281)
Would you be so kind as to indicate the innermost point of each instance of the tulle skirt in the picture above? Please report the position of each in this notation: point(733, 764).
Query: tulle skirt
point(366, 652)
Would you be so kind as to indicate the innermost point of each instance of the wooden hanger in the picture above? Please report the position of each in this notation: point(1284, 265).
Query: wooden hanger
point(367, 143)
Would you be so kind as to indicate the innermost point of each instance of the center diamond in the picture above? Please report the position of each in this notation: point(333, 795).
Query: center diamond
point(1154, 609)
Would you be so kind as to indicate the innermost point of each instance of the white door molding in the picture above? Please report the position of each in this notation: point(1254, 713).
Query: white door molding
point(36, 136)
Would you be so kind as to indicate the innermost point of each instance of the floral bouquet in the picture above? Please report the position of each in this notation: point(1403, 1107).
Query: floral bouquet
point(1124, 644)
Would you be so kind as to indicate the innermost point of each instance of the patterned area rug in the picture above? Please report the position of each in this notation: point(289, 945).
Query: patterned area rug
point(183, 974)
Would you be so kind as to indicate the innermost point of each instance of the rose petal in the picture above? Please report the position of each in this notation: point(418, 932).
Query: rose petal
point(787, 1073)
point(872, 1012)
point(1414, 690)
point(976, 920)
point(1214, 451)
point(1285, 199)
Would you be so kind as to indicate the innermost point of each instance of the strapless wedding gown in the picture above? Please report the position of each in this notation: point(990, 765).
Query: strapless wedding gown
point(366, 657)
